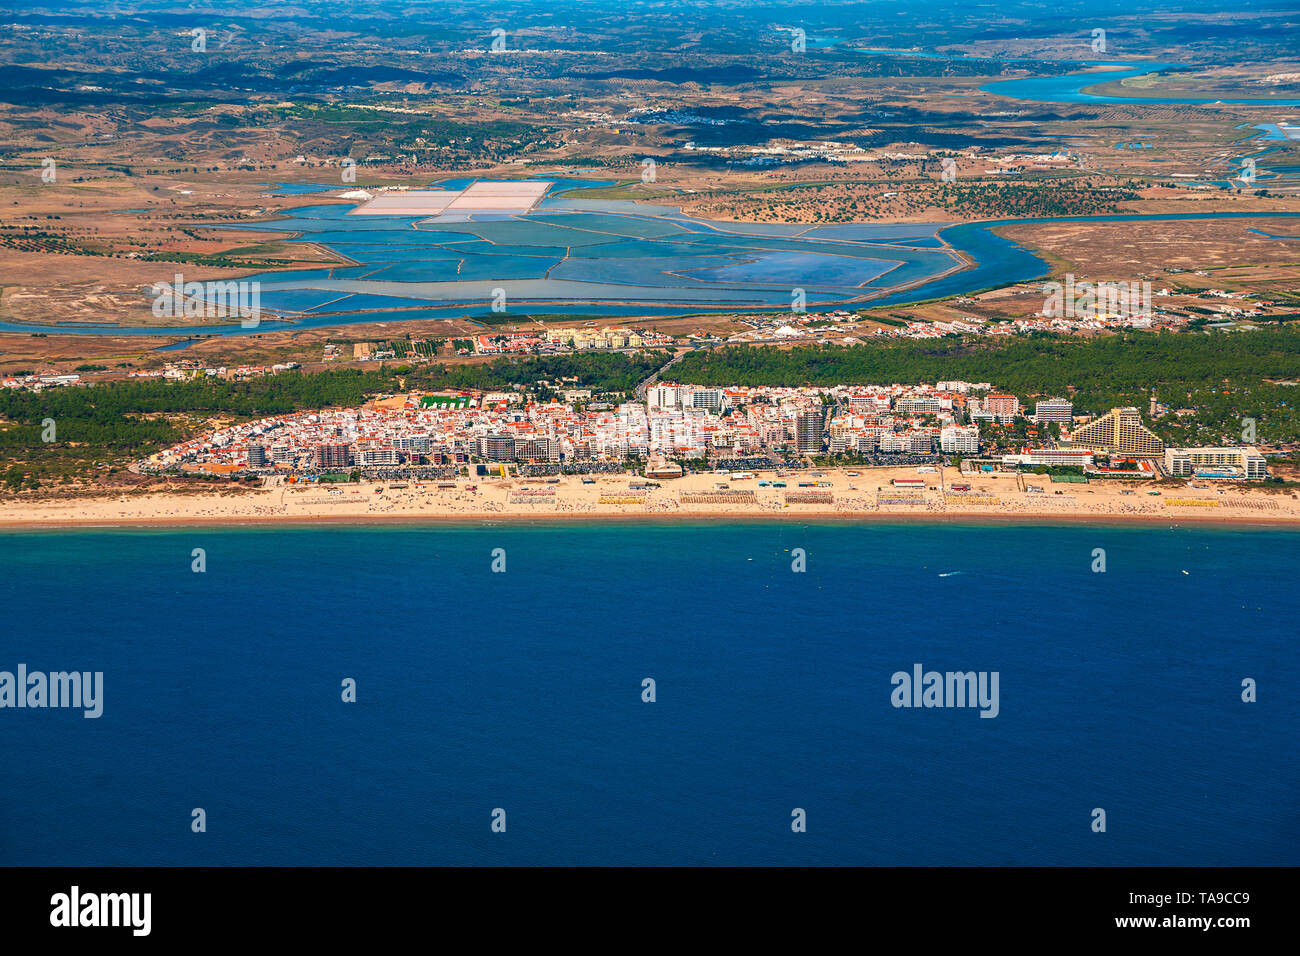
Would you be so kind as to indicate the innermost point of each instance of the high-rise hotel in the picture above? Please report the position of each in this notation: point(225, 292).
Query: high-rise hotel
point(1119, 430)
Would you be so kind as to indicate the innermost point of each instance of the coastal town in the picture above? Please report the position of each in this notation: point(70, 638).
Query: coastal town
point(952, 448)
point(680, 426)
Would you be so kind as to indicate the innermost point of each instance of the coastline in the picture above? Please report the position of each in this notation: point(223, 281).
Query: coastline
point(868, 496)
point(964, 519)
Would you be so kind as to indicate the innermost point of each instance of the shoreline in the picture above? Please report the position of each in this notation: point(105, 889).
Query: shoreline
point(969, 518)
point(891, 495)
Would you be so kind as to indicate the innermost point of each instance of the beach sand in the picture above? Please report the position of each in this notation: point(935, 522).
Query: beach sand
point(869, 494)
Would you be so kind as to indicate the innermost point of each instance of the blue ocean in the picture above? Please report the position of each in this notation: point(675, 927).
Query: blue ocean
point(522, 691)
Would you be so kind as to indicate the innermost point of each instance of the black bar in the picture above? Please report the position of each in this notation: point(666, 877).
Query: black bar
point(334, 906)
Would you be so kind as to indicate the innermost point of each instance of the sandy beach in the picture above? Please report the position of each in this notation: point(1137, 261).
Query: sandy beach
point(841, 493)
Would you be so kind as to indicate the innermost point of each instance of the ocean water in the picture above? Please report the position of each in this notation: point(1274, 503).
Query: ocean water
point(522, 691)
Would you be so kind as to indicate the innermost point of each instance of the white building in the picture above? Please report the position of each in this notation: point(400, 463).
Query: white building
point(1054, 410)
point(419, 444)
point(663, 396)
point(1243, 462)
point(956, 439)
point(377, 456)
point(709, 398)
point(1077, 457)
point(918, 405)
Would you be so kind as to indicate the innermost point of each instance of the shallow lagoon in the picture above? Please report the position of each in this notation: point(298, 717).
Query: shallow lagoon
point(614, 252)
point(616, 258)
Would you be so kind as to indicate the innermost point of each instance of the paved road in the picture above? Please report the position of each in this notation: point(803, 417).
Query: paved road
point(654, 376)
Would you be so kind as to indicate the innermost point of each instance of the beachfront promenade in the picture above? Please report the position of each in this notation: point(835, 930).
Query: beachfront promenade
point(869, 492)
